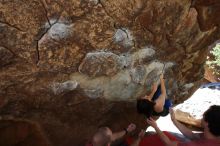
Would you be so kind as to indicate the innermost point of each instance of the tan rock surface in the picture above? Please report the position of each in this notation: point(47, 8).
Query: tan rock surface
point(192, 110)
point(187, 118)
point(46, 74)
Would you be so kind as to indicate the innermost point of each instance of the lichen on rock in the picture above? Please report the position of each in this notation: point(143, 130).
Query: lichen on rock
point(123, 37)
point(64, 87)
point(101, 63)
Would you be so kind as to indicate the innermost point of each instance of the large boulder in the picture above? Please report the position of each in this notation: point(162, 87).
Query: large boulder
point(73, 65)
point(192, 110)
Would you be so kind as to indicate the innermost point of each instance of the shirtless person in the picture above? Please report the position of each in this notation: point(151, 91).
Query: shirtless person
point(104, 136)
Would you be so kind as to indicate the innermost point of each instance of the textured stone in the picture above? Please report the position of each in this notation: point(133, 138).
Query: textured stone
point(137, 74)
point(6, 57)
point(101, 63)
point(67, 86)
point(74, 65)
point(124, 37)
point(208, 10)
point(20, 26)
point(18, 132)
point(210, 76)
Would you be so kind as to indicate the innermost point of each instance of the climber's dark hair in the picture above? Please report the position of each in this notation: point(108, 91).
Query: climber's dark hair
point(145, 107)
point(211, 116)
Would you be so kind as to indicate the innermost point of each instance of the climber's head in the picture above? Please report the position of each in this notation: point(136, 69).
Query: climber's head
point(145, 106)
point(102, 137)
point(211, 120)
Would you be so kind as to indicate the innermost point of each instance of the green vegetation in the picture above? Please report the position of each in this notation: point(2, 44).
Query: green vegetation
point(214, 61)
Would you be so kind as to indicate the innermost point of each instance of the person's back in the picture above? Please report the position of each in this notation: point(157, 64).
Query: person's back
point(201, 142)
point(209, 137)
point(210, 123)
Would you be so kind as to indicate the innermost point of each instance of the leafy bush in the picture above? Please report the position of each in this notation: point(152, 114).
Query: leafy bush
point(214, 61)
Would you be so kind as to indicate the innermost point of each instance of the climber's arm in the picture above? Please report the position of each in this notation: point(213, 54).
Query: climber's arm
point(160, 101)
point(153, 90)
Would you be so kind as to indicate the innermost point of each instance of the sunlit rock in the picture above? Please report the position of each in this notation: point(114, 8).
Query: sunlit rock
point(191, 111)
point(137, 74)
point(126, 84)
point(77, 65)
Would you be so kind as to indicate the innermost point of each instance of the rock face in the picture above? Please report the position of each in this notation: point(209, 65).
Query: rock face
point(21, 132)
point(73, 65)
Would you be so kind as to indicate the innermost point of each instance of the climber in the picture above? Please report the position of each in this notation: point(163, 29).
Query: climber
point(104, 135)
point(156, 103)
